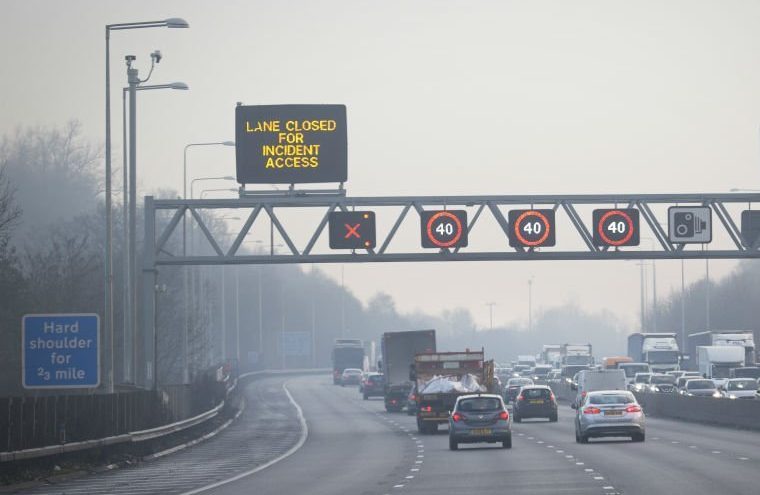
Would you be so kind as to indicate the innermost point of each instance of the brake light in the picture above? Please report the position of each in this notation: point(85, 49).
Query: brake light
point(504, 416)
point(551, 397)
point(592, 410)
point(413, 397)
point(457, 417)
point(520, 397)
point(633, 408)
point(426, 408)
point(393, 401)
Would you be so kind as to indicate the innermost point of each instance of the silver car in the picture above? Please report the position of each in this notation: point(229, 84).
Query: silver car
point(480, 418)
point(609, 413)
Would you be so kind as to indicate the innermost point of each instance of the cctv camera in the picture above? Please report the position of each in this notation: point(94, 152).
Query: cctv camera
point(156, 56)
point(130, 58)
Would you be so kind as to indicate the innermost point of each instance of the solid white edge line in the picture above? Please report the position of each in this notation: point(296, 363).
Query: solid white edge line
point(291, 451)
point(211, 434)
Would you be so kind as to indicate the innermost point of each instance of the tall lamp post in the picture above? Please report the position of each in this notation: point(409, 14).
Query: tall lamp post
point(174, 22)
point(129, 358)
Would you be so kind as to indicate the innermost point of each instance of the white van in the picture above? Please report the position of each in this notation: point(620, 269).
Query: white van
point(593, 380)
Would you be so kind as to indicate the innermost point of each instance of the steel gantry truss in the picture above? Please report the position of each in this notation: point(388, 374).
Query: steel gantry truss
point(410, 207)
point(574, 241)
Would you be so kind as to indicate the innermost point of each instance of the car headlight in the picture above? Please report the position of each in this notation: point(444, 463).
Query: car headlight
point(717, 395)
point(732, 396)
point(654, 388)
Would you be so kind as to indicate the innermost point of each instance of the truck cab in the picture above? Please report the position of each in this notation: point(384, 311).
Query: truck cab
point(716, 362)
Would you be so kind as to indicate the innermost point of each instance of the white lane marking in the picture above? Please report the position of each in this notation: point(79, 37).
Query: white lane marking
point(414, 470)
point(418, 462)
point(291, 451)
point(531, 438)
point(716, 451)
point(410, 477)
point(655, 438)
point(560, 451)
point(521, 434)
point(420, 455)
point(675, 442)
point(550, 446)
point(398, 486)
point(608, 488)
point(568, 456)
point(540, 442)
point(743, 458)
point(598, 478)
point(589, 470)
point(579, 463)
point(692, 446)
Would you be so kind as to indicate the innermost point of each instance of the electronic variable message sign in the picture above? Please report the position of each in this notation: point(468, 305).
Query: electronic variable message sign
point(616, 227)
point(531, 228)
point(290, 144)
point(444, 229)
point(352, 229)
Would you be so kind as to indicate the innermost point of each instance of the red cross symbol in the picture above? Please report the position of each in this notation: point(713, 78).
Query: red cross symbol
point(352, 231)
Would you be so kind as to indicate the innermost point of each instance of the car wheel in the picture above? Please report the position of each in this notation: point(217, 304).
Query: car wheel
point(577, 437)
point(366, 397)
point(453, 444)
point(583, 438)
point(553, 418)
point(507, 444)
point(517, 418)
point(638, 437)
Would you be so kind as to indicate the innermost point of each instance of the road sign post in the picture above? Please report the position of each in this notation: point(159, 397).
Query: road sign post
point(60, 351)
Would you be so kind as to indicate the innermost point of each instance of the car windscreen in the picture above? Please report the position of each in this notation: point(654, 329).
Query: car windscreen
point(642, 378)
point(658, 380)
point(541, 371)
point(536, 393)
point(746, 384)
point(602, 399)
point(747, 372)
point(479, 404)
point(631, 370)
point(662, 357)
point(700, 384)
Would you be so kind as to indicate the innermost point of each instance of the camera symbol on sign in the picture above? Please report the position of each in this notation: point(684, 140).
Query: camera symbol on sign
point(686, 224)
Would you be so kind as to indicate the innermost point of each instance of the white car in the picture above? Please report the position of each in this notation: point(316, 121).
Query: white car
point(740, 388)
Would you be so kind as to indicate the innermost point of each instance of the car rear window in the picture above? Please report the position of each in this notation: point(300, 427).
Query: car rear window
point(697, 384)
point(601, 399)
point(479, 404)
point(662, 379)
point(535, 393)
point(375, 379)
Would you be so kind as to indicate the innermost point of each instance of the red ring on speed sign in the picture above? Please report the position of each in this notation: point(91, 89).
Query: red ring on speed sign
point(544, 220)
point(607, 240)
point(432, 237)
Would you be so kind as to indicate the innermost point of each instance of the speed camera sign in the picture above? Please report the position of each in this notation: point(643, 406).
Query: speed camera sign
point(444, 229)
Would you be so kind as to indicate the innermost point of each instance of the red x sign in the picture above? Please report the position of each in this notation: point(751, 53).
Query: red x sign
point(352, 231)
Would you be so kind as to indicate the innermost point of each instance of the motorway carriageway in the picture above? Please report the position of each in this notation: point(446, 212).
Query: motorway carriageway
point(351, 446)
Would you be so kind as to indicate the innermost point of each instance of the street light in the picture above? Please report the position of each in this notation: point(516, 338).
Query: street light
point(490, 311)
point(229, 189)
point(129, 364)
point(173, 22)
point(738, 189)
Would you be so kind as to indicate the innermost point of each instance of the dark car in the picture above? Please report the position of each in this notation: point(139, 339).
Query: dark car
point(513, 387)
point(662, 383)
point(411, 403)
point(536, 401)
point(480, 418)
point(372, 386)
point(697, 387)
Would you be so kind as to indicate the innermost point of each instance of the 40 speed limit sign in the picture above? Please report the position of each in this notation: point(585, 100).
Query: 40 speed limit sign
point(531, 228)
point(444, 229)
point(616, 227)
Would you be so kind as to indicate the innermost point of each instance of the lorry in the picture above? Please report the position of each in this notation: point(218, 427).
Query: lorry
point(716, 361)
point(550, 354)
point(346, 353)
point(659, 350)
point(612, 362)
point(526, 360)
point(740, 338)
point(441, 377)
point(574, 354)
point(398, 350)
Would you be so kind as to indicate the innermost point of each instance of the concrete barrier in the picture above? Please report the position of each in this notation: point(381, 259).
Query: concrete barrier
point(738, 413)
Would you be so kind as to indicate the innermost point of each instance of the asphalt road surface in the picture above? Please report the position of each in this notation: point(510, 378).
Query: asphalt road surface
point(352, 446)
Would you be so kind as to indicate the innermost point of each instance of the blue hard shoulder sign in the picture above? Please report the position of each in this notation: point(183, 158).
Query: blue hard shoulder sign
point(60, 351)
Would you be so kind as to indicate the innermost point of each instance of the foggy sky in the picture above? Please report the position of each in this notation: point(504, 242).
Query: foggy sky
point(443, 97)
